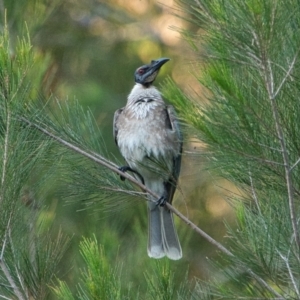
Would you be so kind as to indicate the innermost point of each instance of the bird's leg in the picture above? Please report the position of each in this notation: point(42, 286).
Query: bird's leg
point(164, 198)
point(126, 169)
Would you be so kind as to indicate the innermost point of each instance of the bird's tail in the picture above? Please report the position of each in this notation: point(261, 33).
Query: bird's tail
point(162, 237)
point(169, 235)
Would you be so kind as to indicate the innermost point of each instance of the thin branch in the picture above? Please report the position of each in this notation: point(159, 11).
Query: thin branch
point(269, 162)
point(5, 238)
point(295, 164)
point(288, 73)
point(254, 193)
point(285, 259)
point(269, 81)
point(5, 156)
point(3, 297)
point(8, 276)
point(119, 190)
point(20, 279)
point(15, 259)
point(104, 162)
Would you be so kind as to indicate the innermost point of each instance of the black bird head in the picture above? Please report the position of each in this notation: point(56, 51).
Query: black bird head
point(146, 74)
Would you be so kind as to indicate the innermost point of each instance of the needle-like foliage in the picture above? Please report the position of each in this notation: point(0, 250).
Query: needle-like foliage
point(248, 65)
point(247, 61)
point(27, 260)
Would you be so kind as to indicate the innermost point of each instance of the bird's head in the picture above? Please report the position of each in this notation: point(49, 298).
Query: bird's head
point(146, 74)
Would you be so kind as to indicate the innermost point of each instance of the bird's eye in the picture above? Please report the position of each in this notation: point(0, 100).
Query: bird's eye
point(141, 71)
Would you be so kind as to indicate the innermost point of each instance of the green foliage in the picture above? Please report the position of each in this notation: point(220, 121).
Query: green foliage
point(62, 291)
point(82, 146)
point(28, 259)
point(52, 148)
point(250, 129)
point(98, 279)
point(161, 283)
point(40, 263)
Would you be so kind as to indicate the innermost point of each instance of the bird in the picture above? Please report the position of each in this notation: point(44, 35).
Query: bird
point(148, 135)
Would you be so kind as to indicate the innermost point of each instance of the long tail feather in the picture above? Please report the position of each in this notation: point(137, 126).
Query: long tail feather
point(170, 239)
point(155, 242)
point(162, 237)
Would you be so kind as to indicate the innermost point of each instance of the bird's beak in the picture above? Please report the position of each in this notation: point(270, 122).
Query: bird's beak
point(156, 64)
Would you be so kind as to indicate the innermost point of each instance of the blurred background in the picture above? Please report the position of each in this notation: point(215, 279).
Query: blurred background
point(90, 51)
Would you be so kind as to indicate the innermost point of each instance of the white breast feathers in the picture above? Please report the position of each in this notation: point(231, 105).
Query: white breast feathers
point(142, 100)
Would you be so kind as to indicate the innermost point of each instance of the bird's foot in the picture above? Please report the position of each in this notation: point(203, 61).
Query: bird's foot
point(164, 198)
point(161, 201)
point(125, 169)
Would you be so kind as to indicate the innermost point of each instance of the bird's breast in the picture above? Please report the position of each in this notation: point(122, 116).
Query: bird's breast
point(141, 138)
point(143, 108)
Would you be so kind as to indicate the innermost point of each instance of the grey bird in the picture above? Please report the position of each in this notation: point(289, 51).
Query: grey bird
point(147, 133)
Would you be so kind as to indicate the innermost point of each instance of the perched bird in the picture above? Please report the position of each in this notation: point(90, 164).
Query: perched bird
point(147, 133)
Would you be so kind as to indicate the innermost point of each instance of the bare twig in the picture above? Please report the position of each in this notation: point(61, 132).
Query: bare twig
point(288, 73)
point(3, 297)
point(253, 192)
point(269, 81)
point(294, 165)
point(285, 259)
point(5, 155)
point(11, 281)
point(5, 238)
point(269, 162)
point(104, 162)
point(21, 281)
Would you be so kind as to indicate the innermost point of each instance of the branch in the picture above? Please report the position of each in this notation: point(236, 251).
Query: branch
point(253, 192)
point(269, 162)
point(5, 238)
point(294, 165)
point(113, 167)
point(5, 156)
point(3, 297)
point(8, 276)
point(285, 259)
point(288, 73)
point(269, 81)
point(4, 268)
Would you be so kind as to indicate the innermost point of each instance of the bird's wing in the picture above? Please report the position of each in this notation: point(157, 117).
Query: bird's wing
point(115, 124)
point(174, 124)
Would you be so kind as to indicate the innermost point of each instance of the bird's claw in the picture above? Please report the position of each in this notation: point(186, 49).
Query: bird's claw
point(164, 198)
point(161, 201)
point(123, 169)
point(126, 169)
